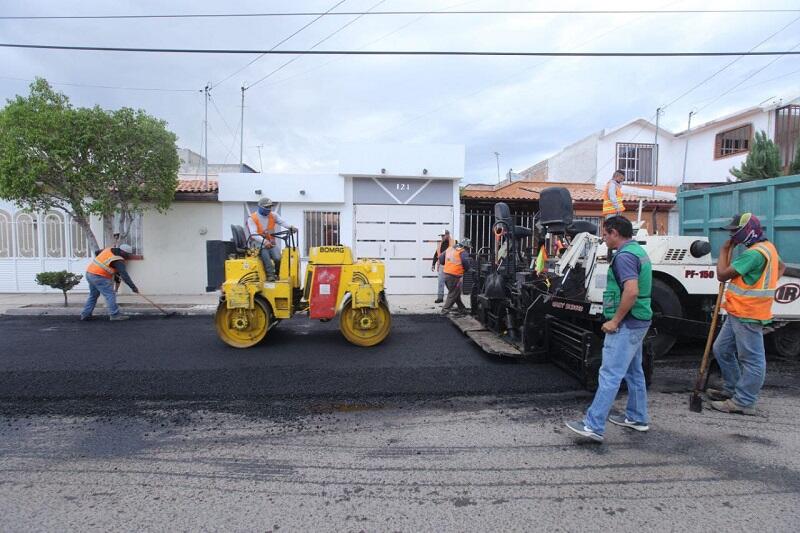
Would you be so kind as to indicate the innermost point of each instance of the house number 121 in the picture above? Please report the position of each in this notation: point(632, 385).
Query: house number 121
point(403, 187)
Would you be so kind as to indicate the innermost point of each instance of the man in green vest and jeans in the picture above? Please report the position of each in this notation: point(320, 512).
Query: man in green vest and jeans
point(626, 306)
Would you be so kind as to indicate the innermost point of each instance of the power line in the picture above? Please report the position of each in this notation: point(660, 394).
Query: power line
point(401, 13)
point(393, 52)
point(70, 84)
point(226, 78)
point(726, 66)
point(311, 48)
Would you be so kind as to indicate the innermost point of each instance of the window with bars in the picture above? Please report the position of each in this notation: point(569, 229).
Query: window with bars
point(5, 234)
point(135, 234)
point(637, 161)
point(320, 228)
point(735, 141)
point(787, 131)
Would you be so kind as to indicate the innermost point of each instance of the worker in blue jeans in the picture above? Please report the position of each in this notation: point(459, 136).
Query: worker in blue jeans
point(626, 305)
point(739, 348)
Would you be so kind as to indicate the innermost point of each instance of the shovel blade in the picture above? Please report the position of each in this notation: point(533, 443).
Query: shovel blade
point(695, 403)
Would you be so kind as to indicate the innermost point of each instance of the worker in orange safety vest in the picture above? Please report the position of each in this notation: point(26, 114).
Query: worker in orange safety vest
point(261, 224)
point(455, 261)
point(612, 195)
point(739, 348)
point(100, 273)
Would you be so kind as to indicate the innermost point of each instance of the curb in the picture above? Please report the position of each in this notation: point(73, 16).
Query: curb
point(200, 310)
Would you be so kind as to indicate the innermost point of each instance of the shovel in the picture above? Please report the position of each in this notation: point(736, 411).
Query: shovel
point(695, 401)
point(166, 314)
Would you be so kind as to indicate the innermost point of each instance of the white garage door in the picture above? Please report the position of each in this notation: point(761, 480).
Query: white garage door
point(405, 237)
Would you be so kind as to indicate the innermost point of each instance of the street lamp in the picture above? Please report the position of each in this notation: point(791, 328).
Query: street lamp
point(497, 157)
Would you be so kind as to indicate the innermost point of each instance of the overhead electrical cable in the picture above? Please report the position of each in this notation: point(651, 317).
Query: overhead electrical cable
point(402, 13)
point(229, 76)
point(285, 64)
point(394, 52)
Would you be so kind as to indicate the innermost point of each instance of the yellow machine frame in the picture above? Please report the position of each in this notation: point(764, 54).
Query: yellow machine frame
point(250, 306)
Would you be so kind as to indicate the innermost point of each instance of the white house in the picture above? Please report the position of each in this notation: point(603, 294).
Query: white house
point(709, 150)
point(386, 201)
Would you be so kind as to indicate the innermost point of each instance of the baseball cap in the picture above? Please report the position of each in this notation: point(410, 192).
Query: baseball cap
point(126, 248)
point(739, 220)
point(265, 202)
point(444, 232)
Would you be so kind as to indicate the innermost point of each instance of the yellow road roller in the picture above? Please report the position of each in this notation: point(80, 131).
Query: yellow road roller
point(335, 284)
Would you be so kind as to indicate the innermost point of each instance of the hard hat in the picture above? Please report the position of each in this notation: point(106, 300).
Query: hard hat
point(126, 248)
point(265, 202)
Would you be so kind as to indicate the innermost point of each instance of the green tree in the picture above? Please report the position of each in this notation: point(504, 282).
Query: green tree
point(62, 281)
point(85, 161)
point(794, 168)
point(763, 161)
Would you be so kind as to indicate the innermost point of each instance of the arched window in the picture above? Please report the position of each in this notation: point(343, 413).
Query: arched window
point(5, 234)
point(79, 240)
point(27, 238)
point(54, 235)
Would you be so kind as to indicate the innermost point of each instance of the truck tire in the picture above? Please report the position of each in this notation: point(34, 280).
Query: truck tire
point(785, 341)
point(664, 301)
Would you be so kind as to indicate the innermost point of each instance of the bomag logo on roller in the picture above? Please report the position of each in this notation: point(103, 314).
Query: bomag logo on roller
point(331, 249)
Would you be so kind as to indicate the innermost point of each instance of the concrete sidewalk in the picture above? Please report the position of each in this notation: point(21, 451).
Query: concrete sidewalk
point(52, 304)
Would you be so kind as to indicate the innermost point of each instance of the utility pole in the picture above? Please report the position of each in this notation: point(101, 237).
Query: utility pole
point(655, 154)
point(497, 157)
point(241, 136)
point(260, 163)
point(686, 146)
point(206, 91)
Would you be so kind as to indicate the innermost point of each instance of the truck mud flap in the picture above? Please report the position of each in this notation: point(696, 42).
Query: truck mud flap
point(487, 340)
point(576, 350)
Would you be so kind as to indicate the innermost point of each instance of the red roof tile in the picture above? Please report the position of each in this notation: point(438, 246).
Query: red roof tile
point(197, 186)
point(529, 190)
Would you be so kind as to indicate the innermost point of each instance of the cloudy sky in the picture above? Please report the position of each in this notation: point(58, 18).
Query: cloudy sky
point(524, 108)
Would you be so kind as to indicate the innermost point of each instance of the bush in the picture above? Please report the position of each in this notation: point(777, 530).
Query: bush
point(795, 166)
point(62, 281)
point(763, 161)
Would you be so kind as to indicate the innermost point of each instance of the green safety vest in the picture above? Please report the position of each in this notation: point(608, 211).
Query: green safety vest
point(613, 294)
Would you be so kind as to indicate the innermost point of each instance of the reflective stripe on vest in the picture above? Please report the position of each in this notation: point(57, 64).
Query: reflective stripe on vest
point(270, 226)
point(755, 301)
point(608, 207)
point(452, 262)
point(101, 265)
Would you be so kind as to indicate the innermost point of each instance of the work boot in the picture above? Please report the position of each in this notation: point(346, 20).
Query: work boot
point(438, 300)
point(445, 310)
point(271, 277)
point(86, 318)
point(729, 406)
point(117, 317)
point(718, 395)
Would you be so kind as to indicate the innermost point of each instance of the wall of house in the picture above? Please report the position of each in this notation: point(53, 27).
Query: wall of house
point(174, 249)
point(668, 165)
point(575, 163)
point(701, 166)
point(406, 160)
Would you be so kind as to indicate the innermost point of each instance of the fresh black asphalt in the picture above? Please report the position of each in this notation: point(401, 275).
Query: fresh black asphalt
point(181, 358)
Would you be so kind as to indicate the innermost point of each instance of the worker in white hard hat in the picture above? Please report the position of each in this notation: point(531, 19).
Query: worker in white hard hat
point(261, 225)
point(100, 273)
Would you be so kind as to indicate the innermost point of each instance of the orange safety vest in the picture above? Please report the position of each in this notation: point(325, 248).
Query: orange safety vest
point(755, 301)
point(608, 207)
point(101, 265)
point(270, 226)
point(452, 262)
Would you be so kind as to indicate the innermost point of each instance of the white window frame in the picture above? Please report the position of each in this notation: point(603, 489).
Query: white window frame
point(635, 172)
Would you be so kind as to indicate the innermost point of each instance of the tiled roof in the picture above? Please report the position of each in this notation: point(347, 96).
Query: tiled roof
point(197, 186)
point(530, 190)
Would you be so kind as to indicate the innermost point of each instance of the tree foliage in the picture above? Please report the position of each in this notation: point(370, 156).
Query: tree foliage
point(763, 161)
point(63, 281)
point(86, 161)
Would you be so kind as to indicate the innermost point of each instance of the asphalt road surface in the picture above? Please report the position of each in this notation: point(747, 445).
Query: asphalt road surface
point(182, 358)
point(154, 424)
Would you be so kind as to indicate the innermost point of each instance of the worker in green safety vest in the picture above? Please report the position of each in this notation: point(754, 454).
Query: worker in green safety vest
point(626, 306)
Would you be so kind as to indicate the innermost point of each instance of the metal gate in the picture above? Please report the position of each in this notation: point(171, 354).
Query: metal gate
point(478, 227)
